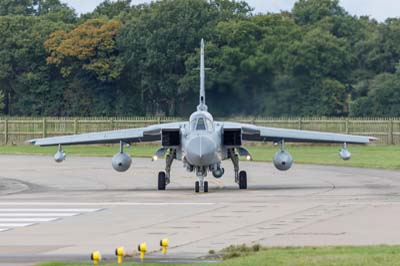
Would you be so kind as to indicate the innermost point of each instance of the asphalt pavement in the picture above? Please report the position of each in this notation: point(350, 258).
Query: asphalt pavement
point(63, 212)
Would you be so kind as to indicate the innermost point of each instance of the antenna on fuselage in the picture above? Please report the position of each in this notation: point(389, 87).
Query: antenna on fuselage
point(202, 103)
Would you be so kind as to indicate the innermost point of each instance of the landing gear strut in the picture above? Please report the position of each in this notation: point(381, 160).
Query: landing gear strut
point(164, 178)
point(240, 177)
point(201, 173)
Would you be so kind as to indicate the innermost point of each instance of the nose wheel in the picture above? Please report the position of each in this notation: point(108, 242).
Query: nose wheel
point(197, 186)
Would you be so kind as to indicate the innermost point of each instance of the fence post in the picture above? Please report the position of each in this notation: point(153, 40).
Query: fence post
point(158, 120)
point(6, 131)
point(112, 124)
point(76, 126)
point(300, 123)
point(44, 125)
point(391, 136)
point(347, 126)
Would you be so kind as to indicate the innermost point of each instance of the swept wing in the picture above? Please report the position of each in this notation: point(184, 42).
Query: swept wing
point(150, 133)
point(259, 133)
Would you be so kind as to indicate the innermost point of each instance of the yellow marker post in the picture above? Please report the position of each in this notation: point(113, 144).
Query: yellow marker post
point(120, 253)
point(95, 257)
point(142, 248)
point(164, 245)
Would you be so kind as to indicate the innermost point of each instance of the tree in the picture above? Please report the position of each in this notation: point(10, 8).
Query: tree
point(111, 9)
point(29, 85)
point(16, 7)
point(383, 98)
point(124, 59)
point(54, 10)
point(35, 7)
point(313, 11)
point(321, 63)
point(157, 41)
point(89, 47)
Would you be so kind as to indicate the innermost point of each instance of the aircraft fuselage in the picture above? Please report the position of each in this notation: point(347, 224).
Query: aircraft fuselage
point(201, 143)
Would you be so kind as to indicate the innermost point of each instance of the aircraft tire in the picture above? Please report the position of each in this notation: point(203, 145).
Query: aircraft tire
point(197, 187)
point(162, 181)
point(205, 186)
point(242, 180)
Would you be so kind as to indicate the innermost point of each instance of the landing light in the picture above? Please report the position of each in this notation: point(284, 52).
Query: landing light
point(155, 158)
point(248, 158)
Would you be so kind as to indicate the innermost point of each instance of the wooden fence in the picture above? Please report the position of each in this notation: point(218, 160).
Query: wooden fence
point(16, 130)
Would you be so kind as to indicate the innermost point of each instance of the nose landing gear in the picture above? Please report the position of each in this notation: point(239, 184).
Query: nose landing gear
point(201, 174)
point(197, 186)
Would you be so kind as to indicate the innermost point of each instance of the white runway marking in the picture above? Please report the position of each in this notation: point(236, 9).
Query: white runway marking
point(21, 217)
point(28, 219)
point(15, 224)
point(108, 203)
point(49, 210)
point(27, 214)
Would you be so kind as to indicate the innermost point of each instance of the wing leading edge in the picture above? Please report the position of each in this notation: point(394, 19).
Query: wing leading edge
point(258, 133)
point(150, 133)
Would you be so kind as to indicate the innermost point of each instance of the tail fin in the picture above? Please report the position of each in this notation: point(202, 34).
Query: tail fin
point(202, 103)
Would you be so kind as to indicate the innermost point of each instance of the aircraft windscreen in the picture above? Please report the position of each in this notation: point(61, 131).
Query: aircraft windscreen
point(210, 125)
point(200, 124)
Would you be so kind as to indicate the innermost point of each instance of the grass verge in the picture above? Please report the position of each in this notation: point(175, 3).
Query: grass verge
point(385, 157)
point(308, 256)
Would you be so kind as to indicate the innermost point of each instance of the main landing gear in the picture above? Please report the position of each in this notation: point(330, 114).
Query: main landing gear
point(164, 178)
point(240, 177)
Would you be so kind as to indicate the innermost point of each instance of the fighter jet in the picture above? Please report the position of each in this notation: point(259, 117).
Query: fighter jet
point(202, 143)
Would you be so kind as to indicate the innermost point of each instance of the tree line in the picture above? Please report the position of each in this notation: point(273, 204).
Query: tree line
point(125, 59)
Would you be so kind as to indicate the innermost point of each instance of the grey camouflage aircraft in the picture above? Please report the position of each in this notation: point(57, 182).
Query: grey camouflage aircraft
point(202, 143)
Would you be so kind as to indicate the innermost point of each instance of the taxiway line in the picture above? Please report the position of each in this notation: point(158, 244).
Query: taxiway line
point(15, 224)
point(108, 203)
point(49, 210)
point(27, 214)
point(28, 219)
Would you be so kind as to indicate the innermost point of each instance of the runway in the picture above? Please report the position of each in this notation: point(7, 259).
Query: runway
point(52, 211)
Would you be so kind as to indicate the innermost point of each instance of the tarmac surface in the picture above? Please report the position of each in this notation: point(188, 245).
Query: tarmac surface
point(63, 212)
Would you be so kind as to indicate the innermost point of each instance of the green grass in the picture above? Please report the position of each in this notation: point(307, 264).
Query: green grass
point(386, 157)
point(309, 256)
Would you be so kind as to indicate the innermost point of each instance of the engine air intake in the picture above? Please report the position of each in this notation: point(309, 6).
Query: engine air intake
point(232, 137)
point(171, 137)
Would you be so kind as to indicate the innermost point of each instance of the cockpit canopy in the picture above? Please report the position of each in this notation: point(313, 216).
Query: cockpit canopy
point(201, 121)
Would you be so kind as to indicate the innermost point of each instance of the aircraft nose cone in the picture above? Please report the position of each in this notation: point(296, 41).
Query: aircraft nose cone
point(200, 151)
